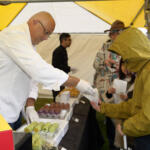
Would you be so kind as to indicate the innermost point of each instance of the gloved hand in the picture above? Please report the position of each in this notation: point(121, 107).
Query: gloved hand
point(31, 114)
point(94, 97)
point(85, 88)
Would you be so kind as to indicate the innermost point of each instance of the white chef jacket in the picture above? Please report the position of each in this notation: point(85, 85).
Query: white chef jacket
point(33, 93)
point(19, 64)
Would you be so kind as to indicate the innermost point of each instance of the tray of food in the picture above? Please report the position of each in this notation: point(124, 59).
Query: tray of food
point(47, 131)
point(54, 111)
point(73, 91)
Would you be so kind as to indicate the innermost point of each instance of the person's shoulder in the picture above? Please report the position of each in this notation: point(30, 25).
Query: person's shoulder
point(16, 28)
point(16, 34)
point(57, 50)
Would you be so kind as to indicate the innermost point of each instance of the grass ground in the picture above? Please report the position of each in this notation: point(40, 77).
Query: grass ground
point(41, 102)
point(102, 126)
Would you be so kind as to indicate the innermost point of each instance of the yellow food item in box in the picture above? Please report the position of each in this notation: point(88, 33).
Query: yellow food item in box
point(73, 91)
point(30, 127)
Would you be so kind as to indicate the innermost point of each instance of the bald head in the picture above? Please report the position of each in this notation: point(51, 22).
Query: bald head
point(41, 25)
point(45, 18)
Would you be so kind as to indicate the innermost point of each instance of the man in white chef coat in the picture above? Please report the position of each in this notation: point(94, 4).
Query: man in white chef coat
point(21, 67)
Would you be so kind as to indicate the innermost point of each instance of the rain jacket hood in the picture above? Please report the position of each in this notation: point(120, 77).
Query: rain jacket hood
point(133, 47)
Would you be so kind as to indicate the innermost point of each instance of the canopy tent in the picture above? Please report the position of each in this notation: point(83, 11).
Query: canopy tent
point(129, 11)
point(9, 12)
point(71, 18)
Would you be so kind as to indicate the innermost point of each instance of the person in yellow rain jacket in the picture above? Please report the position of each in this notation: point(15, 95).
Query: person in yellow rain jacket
point(134, 48)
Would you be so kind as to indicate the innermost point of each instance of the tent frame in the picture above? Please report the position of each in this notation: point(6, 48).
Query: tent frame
point(147, 16)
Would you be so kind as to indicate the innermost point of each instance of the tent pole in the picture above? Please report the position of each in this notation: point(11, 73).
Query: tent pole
point(147, 16)
point(4, 3)
point(132, 22)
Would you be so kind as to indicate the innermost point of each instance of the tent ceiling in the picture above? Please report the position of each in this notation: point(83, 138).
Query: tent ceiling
point(108, 10)
point(124, 10)
point(30, 1)
point(69, 17)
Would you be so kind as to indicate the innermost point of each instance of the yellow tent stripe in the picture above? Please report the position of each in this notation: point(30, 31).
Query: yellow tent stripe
point(140, 21)
point(3, 124)
point(109, 11)
point(9, 12)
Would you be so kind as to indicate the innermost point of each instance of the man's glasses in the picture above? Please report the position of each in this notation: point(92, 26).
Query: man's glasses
point(45, 32)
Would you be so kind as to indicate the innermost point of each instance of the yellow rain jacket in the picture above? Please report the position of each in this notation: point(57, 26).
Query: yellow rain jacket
point(134, 47)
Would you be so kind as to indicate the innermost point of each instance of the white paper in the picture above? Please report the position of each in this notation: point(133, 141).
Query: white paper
point(63, 148)
point(117, 98)
point(120, 86)
point(125, 141)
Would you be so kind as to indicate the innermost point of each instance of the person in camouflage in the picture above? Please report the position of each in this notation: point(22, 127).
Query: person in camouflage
point(106, 64)
point(103, 75)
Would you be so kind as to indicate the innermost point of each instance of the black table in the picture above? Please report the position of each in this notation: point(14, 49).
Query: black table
point(85, 134)
point(22, 141)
